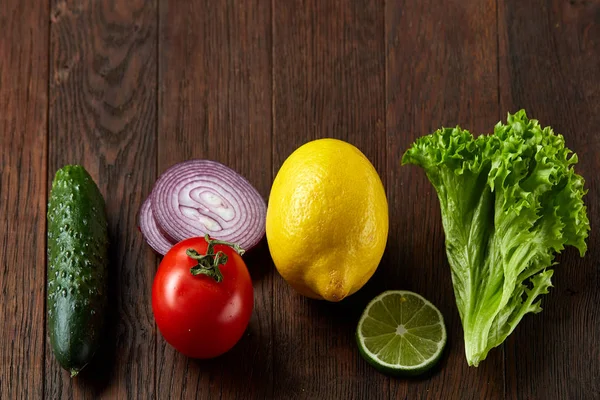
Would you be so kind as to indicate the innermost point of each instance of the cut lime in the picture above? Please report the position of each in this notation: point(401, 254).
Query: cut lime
point(401, 333)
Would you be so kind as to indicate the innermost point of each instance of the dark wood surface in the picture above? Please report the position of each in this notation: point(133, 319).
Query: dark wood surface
point(127, 88)
point(23, 158)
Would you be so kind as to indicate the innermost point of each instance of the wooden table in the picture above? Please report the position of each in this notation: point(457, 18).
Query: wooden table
point(127, 88)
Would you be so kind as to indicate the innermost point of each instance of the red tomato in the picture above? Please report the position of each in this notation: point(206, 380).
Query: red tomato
point(200, 317)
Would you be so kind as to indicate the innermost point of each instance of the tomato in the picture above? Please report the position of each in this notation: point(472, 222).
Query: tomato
point(198, 315)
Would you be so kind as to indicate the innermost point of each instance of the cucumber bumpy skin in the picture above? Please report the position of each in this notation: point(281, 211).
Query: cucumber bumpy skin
point(77, 267)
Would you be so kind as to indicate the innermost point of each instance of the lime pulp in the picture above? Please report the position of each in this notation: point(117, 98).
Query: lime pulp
point(401, 333)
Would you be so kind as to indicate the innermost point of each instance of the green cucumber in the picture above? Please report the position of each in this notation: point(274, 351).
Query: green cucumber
point(77, 267)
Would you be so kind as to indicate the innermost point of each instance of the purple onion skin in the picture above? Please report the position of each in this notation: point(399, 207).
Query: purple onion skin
point(199, 197)
point(151, 232)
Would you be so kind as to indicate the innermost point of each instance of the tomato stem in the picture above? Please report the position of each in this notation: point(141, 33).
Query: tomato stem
point(208, 264)
point(234, 246)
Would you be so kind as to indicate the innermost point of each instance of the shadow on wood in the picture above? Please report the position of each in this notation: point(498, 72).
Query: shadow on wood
point(258, 260)
point(99, 374)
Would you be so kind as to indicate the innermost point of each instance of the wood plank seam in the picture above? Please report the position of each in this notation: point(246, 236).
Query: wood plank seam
point(46, 194)
point(502, 347)
point(273, 343)
point(160, 4)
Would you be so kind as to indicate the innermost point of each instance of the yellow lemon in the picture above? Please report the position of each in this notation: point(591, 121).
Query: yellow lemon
point(327, 220)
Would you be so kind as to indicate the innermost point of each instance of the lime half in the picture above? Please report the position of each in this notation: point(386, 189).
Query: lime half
point(401, 333)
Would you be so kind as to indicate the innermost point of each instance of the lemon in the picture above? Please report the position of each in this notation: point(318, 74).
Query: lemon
point(327, 220)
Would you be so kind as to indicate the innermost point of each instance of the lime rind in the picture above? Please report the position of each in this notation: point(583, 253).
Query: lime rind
point(423, 337)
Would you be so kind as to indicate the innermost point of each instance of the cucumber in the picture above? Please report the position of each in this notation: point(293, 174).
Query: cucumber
point(77, 267)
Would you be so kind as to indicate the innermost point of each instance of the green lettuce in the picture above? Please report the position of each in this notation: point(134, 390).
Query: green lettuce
point(510, 201)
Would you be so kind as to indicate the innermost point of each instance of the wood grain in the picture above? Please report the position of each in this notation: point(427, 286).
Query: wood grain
point(441, 71)
point(128, 88)
point(23, 143)
point(103, 116)
point(328, 72)
point(552, 69)
point(215, 103)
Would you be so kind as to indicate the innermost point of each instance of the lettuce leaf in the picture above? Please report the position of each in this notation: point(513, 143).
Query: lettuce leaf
point(510, 201)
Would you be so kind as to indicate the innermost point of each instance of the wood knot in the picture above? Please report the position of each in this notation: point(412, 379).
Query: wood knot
point(58, 11)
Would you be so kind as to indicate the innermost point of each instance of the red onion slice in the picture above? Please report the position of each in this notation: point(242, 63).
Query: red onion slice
point(152, 234)
point(197, 197)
